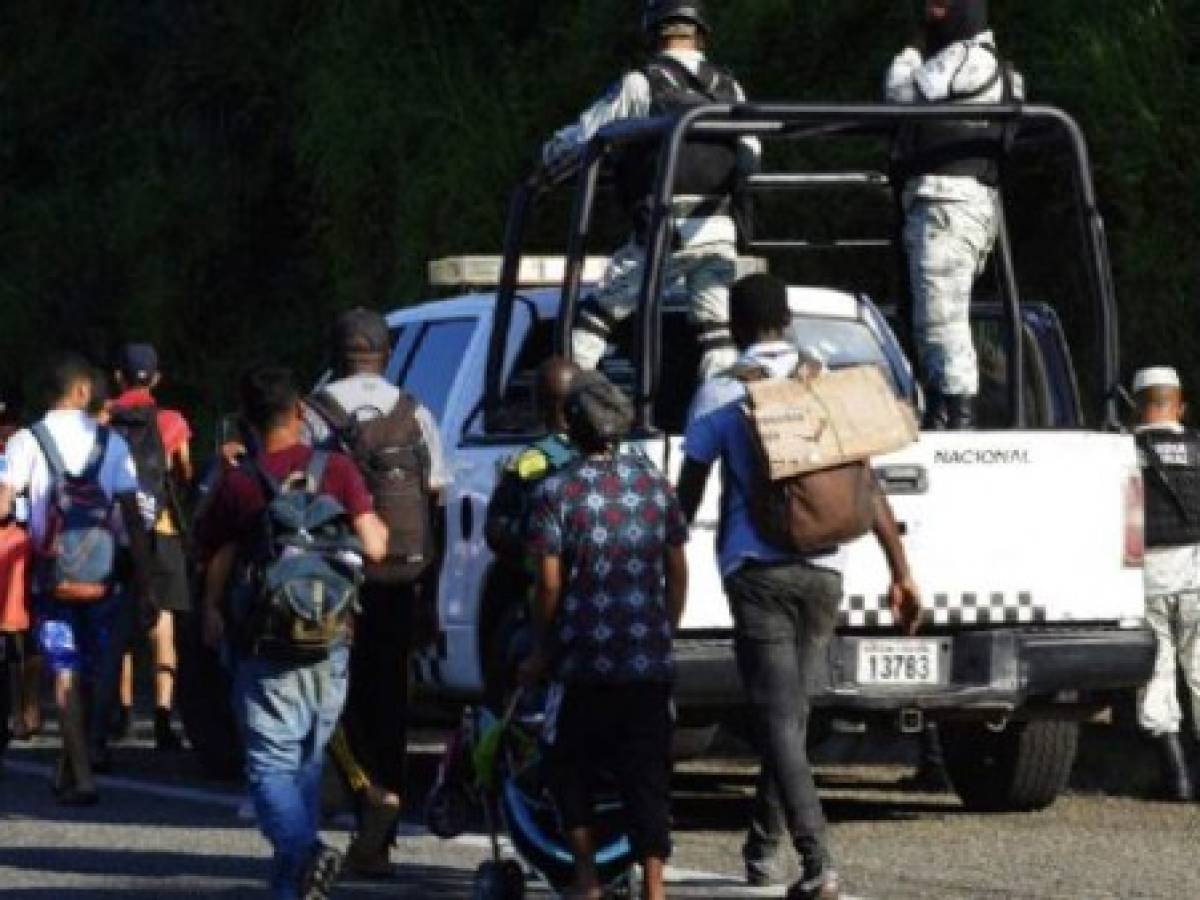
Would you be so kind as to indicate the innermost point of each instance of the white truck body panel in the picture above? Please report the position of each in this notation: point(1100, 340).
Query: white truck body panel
point(1016, 527)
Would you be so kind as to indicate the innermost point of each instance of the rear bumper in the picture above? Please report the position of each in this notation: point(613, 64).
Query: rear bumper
point(995, 671)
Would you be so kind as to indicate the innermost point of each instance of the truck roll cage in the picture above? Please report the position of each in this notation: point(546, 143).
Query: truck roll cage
point(794, 122)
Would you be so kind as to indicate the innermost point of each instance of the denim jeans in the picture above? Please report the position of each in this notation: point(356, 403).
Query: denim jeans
point(784, 616)
point(288, 713)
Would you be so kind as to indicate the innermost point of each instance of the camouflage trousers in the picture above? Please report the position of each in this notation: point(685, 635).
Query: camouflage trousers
point(707, 272)
point(948, 243)
point(1175, 620)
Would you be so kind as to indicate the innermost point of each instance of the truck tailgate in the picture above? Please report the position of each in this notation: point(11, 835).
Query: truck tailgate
point(1007, 528)
point(1000, 527)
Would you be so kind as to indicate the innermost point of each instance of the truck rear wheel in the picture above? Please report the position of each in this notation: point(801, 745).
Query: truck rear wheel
point(1022, 768)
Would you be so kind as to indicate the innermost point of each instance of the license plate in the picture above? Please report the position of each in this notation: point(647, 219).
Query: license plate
point(898, 662)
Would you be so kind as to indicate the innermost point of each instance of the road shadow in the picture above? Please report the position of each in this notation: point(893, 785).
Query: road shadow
point(158, 874)
point(706, 802)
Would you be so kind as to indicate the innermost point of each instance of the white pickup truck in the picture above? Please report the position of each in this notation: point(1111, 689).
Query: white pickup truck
point(1025, 536)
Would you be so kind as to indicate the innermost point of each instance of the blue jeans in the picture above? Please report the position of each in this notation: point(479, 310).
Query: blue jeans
point(88, 640)
point(288, 713)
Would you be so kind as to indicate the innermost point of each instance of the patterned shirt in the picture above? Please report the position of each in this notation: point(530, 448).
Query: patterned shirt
point(611, 521)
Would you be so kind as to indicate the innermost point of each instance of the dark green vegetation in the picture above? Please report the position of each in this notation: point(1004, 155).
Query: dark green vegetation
point(219, 176)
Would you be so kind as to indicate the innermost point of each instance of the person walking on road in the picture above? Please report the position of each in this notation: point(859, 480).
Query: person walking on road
point(785, 607)
point(704, 230)
point(396, 445)
point(259, 536)
point(160, 442)
point(81, 485)
point(951, 173)
point(609, 534)
point(1170, 458)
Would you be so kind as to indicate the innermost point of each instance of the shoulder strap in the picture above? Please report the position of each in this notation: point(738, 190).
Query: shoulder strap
point(271, 487)
point(91, 469)
point(997, 75)
point(45, 441)
point(315, 472)
point(683, 78)
point(325, 405)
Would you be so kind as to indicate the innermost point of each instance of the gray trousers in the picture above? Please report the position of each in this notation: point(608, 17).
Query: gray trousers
point(948, 243)
point(784, 617)
point(707, 270)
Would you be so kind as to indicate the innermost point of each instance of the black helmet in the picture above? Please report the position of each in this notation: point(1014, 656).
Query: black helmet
point(659, 12)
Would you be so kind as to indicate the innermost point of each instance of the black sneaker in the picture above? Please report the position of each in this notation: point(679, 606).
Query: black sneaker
point(320, 872)
point(165, 738)
point(825, 886)
point(122, 724)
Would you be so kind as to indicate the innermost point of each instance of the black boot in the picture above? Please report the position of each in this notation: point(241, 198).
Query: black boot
point(936, 414)
point(1177, 781)
point(165, 738)
point(960, 412)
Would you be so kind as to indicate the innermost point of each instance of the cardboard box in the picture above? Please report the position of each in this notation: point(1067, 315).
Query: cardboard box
point(805, 425)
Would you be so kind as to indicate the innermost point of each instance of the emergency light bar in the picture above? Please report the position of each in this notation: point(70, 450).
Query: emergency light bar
point(536, 271)
point(484, 271)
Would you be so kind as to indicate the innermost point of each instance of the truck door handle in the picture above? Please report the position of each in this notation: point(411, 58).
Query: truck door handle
point(903, 479)
point(467, 518)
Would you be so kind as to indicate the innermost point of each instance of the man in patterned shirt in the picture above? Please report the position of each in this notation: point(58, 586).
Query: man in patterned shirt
point(612, 581)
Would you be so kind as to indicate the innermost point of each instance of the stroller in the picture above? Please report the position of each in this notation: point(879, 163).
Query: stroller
point(492, 767)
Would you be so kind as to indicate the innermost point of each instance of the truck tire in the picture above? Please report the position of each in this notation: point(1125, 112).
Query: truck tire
point(1022, 768)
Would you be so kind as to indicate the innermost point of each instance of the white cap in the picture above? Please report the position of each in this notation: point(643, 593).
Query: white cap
point(1156, 377)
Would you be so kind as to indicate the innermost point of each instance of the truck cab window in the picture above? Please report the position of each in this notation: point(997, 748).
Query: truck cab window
point(429, 372)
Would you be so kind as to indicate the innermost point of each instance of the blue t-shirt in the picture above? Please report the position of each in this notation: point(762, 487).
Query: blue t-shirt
point(611, 521)
point(718, 430)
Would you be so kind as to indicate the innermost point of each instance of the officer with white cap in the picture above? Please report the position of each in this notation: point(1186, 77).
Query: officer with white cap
point(1170, 459)
point(677, 77)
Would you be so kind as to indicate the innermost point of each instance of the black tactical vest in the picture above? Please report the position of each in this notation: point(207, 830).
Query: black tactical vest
point(707, 166)
point(959, 148)
point(1172, 477)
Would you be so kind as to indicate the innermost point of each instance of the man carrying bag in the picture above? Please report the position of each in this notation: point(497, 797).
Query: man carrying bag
point(785, 585)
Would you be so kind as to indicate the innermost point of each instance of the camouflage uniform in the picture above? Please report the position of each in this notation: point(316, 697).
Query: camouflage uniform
point(950, 219)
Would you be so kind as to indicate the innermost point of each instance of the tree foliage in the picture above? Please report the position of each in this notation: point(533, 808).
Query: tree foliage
point(219, 176)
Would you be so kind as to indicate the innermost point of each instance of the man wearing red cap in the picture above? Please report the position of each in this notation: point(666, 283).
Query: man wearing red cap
point(159, 440)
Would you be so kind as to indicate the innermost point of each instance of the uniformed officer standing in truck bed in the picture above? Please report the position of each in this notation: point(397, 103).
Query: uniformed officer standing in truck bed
point(950, 197)
point(704, 254)
point(1170, 456)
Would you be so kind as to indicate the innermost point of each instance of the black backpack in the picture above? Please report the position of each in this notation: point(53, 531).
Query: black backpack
point(391, 453)
point(303, 576)
point(707, 166)
point(138, 425)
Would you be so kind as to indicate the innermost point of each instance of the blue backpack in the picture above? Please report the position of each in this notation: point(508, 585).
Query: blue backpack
point(77, 562)
point(303, 577)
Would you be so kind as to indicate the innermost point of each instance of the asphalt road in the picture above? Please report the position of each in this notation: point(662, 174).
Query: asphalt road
point(162, 831)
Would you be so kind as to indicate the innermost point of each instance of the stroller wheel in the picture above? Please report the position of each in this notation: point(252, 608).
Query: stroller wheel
point(499, 881)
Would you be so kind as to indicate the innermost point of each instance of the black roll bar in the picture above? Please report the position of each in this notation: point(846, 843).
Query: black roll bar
point(796, 121)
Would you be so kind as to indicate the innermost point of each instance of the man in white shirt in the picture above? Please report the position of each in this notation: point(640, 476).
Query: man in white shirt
point(704, 254)
point(1170, 457)
point(76, 637)
point(950, 195)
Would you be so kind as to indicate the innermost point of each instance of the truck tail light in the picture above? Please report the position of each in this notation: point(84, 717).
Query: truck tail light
point(1135, 522)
